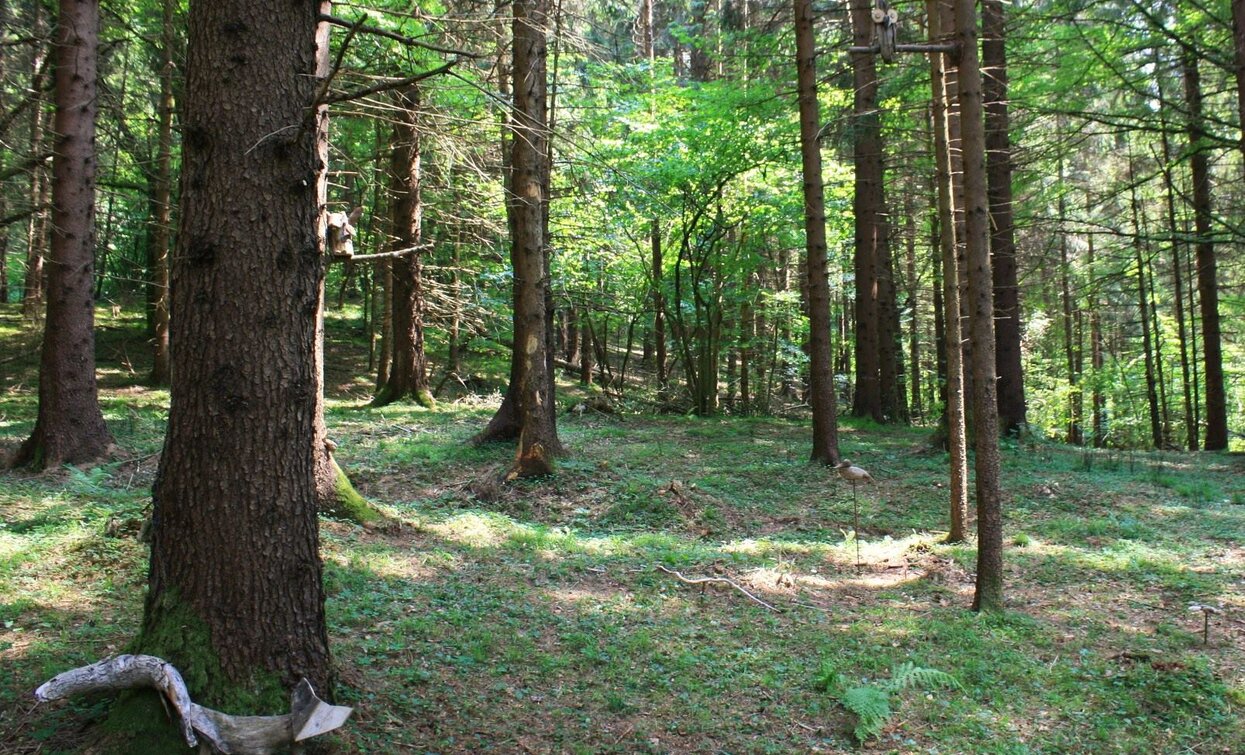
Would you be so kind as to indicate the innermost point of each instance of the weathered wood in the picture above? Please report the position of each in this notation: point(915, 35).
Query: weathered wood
point(241, 735)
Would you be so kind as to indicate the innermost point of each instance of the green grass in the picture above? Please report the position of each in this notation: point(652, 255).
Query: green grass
point(533, 617)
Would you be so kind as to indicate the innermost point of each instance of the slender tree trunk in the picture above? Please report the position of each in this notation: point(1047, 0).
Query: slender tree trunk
point(163, 201)
point(235, 597)
point(408, 372)
point(538, 437)
point(1011, 391)
point(1173, 231)
point(70, 426)
point(989, 593)
point(36, 227)
point(505, 423)
point(1098, 401)
point(586, 352)
point(956, 437)
point(1238, 38)
point(1070, 311)
point(868, 206)
point(821, 378)
point(913, 306)
point(659, 314)
point(1207, 279)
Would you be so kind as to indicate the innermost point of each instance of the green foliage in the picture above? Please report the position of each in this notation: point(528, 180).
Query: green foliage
point(871, 703)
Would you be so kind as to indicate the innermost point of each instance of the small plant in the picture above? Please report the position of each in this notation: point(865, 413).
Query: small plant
point(1020, 540)
point(871, 703)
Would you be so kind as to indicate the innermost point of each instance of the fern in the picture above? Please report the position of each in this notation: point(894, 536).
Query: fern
point(871, 703)
point(872, 706)
point(910, 676)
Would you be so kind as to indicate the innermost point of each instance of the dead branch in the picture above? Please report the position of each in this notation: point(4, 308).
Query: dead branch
point(244, 735)
point(410, 42)
point(720, 580)
point(387, 85)
point(382, 255)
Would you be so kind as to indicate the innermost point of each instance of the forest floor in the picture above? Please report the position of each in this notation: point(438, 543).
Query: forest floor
point(549, 616)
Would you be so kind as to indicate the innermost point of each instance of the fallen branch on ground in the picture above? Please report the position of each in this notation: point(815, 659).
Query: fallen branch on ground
point(308, 716)
point(719, 580)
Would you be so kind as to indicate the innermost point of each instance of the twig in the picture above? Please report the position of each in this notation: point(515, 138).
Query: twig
point(388, 85)
point(380, 255)
point(398, 37)
point(720, 580)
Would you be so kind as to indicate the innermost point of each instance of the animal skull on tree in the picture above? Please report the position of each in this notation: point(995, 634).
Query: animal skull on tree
point(341, 231)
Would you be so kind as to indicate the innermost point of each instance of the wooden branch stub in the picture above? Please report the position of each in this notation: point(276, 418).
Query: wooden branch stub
point(241, 735)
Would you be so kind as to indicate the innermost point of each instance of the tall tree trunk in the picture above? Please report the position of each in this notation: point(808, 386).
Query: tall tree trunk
point(868, 206)
point(70, 426)
point(989, 592)
point(505, 423)
point(1238, 38)
point(36, 226)
point(821, 378)
point(538, 436)
point(1152, 397)
point(235, 596)
point(1098, 402)
point(659, 313)
point(334, 491)
point(913, 306)
point(1207, 279)
point(1074, 435)
point(957, 445)
point(408, 372)
point(1011, 389)
point(163, 201)
point(1173, 232)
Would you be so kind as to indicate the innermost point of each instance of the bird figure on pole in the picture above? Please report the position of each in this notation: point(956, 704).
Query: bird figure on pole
point(852, 473)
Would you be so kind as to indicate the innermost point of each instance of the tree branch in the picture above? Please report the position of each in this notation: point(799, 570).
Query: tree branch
point(388, 85)
point(398, 37)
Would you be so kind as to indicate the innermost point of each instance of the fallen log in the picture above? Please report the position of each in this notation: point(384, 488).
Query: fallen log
point(238, 735)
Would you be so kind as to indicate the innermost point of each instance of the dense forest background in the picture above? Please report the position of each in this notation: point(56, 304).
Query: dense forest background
point(460, 361)
point(674, 133)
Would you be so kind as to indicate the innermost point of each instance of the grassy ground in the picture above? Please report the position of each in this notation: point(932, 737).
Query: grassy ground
point(535, 618)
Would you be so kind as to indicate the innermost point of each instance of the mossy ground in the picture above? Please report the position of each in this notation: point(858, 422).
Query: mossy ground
point(531, 617)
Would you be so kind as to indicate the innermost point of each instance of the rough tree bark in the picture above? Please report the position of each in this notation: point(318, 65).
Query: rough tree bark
point(821, 379)
point(163, 201)
point(36, 227)
point(957, 446)
point(538, 435)
point(408, 373)
point(235, 596)
point(989, 592)
point(1011, 389)
point(1207, 279)
point(70, 426)
point(868, 206)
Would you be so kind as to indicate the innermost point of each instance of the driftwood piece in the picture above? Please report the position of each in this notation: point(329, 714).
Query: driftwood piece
point(240, 735)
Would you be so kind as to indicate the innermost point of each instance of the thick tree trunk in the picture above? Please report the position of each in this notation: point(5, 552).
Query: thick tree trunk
point(868, 206)
point(1011, 389)
point(538, 436)
point(1207, 279)
point(989, 592)
point(821, 379)
point(235, 597)
point(163, 201)
point(70, 426)
point(408, 373)
point(957, 444)
point(1238, 38)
